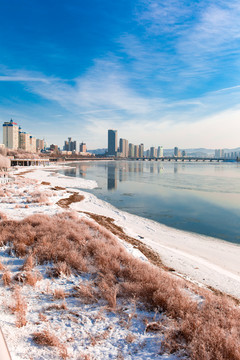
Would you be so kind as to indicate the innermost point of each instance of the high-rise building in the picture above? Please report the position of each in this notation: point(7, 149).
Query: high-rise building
point(136, 151)
point(70, 145)
point(175, 151)
point(66, 146)
point(83, 147)
point(112, 142)
point(74, 146)
point(219, 153)
point(39, 144)
point(123, 147)
point(24, 141)
point(131, 150)
point(33, 144)
point(54, 148)
point(10, 135)
point(141, 151)
point(152, 152)
point(160, 152)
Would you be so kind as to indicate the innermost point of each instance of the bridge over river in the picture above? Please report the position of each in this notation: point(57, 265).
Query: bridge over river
point(179, 158)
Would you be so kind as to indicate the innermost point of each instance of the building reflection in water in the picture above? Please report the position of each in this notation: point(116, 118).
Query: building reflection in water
point(112, 176)
point(70, 172)
point(122, 171)
point(83, 170)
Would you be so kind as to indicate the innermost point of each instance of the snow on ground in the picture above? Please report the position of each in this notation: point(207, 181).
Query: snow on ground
point(84, 330)
point(207, 260)
point(92, 331)
point(49, 174)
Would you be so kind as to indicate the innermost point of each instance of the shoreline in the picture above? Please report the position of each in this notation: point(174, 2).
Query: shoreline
point(207, 261)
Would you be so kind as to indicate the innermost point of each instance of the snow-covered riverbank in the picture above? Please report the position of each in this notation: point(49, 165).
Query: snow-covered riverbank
point(206, 260)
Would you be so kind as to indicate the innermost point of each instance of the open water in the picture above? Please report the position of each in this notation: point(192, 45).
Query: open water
point(199, 197)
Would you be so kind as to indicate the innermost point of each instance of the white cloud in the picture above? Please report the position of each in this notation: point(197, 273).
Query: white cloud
point(23, 79)
point(104, 98)
point(199, 38)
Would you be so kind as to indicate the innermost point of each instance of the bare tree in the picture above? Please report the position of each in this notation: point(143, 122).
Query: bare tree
point(4, 162)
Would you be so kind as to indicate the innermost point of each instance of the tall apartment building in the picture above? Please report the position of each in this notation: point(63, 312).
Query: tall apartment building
point(160, 151)
point(112, 142)
point(39, 144)
point(24, 141)
point(219, 153)
point(141, 150)
point(123, 147)
point(153, 152)
point(10, 135)
point(131, 150)
point(71, 145)
point(83, 147)
point(175, 151)
point(54, 148)
point(33, 144)
point(136, 151)
point(75, 146)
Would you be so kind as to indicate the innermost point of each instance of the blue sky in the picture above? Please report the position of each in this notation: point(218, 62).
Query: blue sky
point(162, 72)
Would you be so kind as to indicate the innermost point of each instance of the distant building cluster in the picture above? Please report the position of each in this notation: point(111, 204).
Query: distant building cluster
point(73, 147)
point(128, 150)
point(231, 155)
point(14, 138)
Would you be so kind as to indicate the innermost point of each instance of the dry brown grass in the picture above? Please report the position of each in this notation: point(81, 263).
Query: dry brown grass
point(45, 338)
point(62, 306)
point(130, 338)
point(48, 338)
point(45, 183)
point(3, 217)
point(59, 269)
point(94, 339)
point(7, 278)
point(75, 197)
point(19, 308)
point(39, 197)
point(59, 294)
point(32, 278)
point(86, 292)
point(29, 263)
point(28, 277)
point(109, 224)
point(58, 188)
point(42, 317)
point(210, 331)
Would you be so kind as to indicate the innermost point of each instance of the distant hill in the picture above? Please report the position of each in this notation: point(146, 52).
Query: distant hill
point(167, 152)
point(98, 151)
point(200, 151)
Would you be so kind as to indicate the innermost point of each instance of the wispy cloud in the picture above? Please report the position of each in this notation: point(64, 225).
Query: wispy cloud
point(165, 16)
point(103, 98)
point(19, 75)
point(23, 79)
point(198, 39)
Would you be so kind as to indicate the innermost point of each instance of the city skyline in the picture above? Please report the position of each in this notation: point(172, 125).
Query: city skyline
point(122, 146)
point(160, 72)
